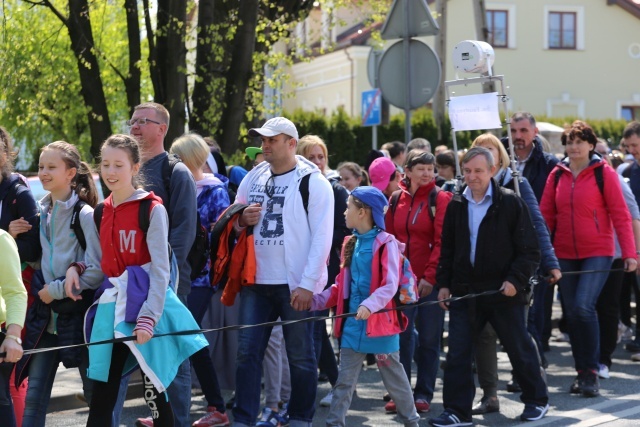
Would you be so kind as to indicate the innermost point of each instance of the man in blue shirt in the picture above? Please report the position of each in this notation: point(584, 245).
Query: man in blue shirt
point(488, 244)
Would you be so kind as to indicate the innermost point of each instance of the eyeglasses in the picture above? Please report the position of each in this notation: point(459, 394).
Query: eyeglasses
point(270, 190)
point(140, 122)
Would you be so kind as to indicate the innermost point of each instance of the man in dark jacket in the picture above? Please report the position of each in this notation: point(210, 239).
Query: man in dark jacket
point(532, 162)
point(488, 244)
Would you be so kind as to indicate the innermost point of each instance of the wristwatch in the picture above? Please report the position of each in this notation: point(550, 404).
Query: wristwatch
point(15, 338)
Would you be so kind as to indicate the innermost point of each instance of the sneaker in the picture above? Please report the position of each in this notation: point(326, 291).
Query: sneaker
point(486, 405)
point(449, 419)
point(422, 406)
point(144, 422)
point(532, 412)
point(270, 418)
point(213, 418)
point(603, 371)
point(633, 346)
point(625, 333)
point(390, 408)
point(591, 385)
point(576, 386)
point(326, 401)
point(563, 337)
point(635, 357)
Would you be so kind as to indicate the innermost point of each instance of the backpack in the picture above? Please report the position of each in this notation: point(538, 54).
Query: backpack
point(199, 254)
point(408, 287)
point(144, 215)
point(431, 201)
point(597, 171)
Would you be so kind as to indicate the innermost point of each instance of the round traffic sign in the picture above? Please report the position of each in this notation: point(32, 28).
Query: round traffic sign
point(421, 68)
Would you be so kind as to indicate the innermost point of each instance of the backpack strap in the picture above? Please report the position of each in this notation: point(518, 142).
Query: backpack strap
point(304, 192)
point(393, 202)
point(76, 226)
point(144, 215)
point(168, 165)
point(433, 201)
point(599, 174)
point(97, 215)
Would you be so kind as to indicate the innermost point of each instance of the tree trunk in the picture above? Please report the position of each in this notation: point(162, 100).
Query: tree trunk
point(199, 121)
point(132, 81)
point(441, 51)
point(79, 27)
point(238, 76)
point(171, 54)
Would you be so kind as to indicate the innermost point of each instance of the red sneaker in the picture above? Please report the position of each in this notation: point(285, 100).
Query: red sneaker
point(213, 418)
point(390, 408)
point(422, 406)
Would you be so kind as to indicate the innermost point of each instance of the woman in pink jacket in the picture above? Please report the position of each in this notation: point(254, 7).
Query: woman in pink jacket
point(582, 203)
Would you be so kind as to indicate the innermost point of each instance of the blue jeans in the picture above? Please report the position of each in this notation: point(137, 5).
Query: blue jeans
point(199, 299)
point(179, 392)
point(467, 318)
point(429, 322)
point(580, 294)
point(42, 372)
point(265, 303)
point(323, 348)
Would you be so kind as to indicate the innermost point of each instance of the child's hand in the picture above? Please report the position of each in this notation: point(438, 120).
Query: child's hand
point(142, 336)
point(71, 282)
point(363, 313)
point(45, 296)
point(18, 226)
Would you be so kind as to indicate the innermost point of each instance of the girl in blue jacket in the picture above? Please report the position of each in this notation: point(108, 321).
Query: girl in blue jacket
point(357, 292)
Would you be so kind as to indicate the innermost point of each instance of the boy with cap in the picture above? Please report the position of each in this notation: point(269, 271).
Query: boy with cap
point(384, 176)
point(369, 280)
point(292, 244)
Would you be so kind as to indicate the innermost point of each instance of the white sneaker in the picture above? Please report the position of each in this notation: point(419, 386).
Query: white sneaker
point(326, 401)
point(625, 333)
point(603, 371)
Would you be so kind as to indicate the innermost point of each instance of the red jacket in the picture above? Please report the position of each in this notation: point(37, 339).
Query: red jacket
point(382, 291)
point(580, 219)
point(412, 225)
point(121, 240)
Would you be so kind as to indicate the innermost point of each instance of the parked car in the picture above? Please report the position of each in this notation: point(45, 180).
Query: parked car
point(39, 192)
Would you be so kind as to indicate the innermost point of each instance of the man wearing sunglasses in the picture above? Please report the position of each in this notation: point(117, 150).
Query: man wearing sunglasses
point(292, 243)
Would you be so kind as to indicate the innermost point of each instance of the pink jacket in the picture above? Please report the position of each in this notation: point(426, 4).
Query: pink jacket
point(383, 289)
point(580, 219)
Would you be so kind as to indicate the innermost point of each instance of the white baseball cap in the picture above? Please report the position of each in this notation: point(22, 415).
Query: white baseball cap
point(276, 126)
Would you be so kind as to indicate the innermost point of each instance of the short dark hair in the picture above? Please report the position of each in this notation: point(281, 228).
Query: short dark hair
point(524, 115)
point(419, 157)
point(582, 130)
point(395, 148)
point(633, 128)
point(446, 158)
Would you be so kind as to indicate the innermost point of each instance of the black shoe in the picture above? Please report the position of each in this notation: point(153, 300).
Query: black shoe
point(371, 359)
point(576, 386)
point(486, 405)
point(513, 386)
point(386, 397)
point(591, 385)
point(633, 346)
point(322, 377)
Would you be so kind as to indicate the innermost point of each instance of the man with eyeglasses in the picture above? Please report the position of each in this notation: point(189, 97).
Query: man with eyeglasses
point(292, 243)
point(148, 125)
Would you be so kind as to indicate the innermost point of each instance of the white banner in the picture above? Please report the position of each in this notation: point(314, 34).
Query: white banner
point(474, 112)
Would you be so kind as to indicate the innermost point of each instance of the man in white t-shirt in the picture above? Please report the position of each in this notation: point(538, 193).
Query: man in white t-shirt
point(291, 211)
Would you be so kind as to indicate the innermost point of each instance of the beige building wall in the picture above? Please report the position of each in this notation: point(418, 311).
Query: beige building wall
point(593, 81)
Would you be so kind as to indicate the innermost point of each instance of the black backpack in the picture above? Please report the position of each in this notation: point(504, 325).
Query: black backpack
point(199, 253)
point(597, 171)
point(431, 202)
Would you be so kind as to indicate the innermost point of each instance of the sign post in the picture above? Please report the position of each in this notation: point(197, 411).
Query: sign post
point(372, 112)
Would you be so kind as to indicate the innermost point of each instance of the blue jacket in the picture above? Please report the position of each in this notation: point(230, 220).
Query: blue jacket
point(538, 167)
point(548, 259)
point(119, 302)
point(28, 242)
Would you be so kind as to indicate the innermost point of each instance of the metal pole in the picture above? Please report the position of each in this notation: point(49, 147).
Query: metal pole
point(374, 137)
point(407, 98)
point(514, 169)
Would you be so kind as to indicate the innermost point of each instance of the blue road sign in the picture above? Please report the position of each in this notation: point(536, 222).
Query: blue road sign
point(371, 107)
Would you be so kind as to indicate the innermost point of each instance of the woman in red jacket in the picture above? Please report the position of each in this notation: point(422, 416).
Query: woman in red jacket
point(582, 203)
point(415, 217)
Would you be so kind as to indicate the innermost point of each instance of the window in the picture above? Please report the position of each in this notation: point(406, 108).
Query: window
point(630, 113)
point(562, 30)
point(497, 23)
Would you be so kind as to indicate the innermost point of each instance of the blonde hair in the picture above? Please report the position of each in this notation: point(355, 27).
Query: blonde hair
point(488, 138)
point(307, 142)
point(192, 149)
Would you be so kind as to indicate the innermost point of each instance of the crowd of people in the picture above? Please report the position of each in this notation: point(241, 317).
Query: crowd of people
point(311, 241)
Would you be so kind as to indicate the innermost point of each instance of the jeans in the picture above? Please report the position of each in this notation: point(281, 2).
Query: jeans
point(265, 303)
point(429, 322)
point(608, 308)
point(42, 372)
point(6, 407)
point(467, 318)
point(580, 294)
point(535, 320)
point(199, 299)
point(324, 350)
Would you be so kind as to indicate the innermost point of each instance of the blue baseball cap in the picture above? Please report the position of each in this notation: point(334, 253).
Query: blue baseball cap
point(376, 200)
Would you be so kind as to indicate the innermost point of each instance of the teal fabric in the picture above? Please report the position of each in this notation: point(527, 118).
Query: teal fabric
point(354, 335)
